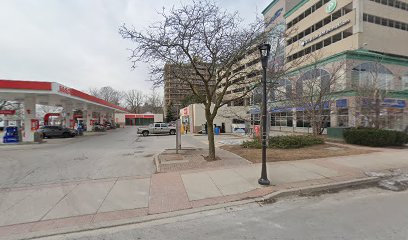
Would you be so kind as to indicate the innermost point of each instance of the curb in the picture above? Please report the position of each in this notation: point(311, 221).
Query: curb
point(320, 189)
point(270, 198)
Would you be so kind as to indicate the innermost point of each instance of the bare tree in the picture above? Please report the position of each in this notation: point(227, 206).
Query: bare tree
point(204, 40)
point(41, 110)
point(12, 105)
point(134, 100)
point(315, 91)
point(108, 94)
point(153, 102)
point(372, 83)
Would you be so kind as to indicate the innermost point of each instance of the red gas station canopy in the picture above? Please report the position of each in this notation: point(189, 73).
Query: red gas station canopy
point(52, 88)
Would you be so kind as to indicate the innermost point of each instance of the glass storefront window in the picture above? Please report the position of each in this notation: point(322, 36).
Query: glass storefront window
point(302, 120)
point(373, 75)
point(342, 117)
point(283, 119)
point(405, 82)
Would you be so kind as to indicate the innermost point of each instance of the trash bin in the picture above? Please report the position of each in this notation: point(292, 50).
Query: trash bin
point(38, 137)
point(217, 130)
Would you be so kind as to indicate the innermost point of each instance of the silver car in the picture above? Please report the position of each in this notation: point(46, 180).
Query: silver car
point(156, 128)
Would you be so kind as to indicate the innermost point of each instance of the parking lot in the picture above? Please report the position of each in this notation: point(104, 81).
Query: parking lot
point(116, 153)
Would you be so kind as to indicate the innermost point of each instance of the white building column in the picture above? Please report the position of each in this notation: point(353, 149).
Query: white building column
point(89, 114)
point(333, 115)
point(69, 113)
point(102, 117)
point(86, 118)
point(115, 119)
point(29, 115)
point(352, 113)
point(294, 119)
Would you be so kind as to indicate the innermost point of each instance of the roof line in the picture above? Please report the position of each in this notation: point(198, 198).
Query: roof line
point(270, 6)
point(296, 7)
point(47, 86)
point(358, 55)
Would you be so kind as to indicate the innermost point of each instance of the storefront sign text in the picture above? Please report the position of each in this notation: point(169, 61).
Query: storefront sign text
point(325, 32)
point(8, 112)
point(275, 16)
point(63, 89)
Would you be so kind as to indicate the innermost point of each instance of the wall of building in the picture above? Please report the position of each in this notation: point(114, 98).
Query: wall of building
point(121, 117)
point(333, 37)
point(195, 116)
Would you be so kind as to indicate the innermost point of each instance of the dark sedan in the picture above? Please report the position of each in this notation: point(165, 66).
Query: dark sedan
point(57, 131)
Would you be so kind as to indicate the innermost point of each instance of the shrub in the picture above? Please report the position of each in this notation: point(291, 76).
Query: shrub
point(254, 143)
point(375, 137)
point(298, 141)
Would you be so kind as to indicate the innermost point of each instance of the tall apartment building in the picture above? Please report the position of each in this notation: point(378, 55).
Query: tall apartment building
point(366, 35)
point(176, 90)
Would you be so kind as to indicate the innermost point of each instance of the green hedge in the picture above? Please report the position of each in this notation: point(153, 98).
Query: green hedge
point(254, 143)
point(285, 142)
point(375, 137)
point(296, 141)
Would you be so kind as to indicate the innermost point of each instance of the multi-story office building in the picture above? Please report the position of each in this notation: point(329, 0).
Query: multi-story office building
point(177, 90)
point(369, 37)
point(274, 22)
point(249, 67)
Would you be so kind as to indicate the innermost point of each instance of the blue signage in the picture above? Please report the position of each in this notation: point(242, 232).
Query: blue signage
point(275, 16)
point(341, 103)
point(393, 103)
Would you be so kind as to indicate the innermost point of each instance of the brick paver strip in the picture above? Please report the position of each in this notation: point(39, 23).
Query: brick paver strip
point(15, 229)
point(123, 214)
point(61, 223)
point(167, 193)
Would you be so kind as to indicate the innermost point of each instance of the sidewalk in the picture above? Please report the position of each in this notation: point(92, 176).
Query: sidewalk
point(31, 211)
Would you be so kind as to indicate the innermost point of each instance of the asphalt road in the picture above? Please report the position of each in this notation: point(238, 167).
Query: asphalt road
point(118, 153)
point(361, 214)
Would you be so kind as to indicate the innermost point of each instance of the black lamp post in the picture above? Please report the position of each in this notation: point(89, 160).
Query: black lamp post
point(264, 50)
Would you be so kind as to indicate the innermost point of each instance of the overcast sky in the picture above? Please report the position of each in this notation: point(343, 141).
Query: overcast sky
point(76, 42)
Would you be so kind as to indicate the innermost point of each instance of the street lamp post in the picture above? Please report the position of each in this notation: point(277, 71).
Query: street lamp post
point(264, 51)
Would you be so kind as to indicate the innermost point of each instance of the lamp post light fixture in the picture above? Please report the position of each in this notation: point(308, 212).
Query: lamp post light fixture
point(264, 50)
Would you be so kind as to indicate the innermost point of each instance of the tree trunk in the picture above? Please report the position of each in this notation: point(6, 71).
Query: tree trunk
point(315, 124)
point(210, 135)
point(377, 111)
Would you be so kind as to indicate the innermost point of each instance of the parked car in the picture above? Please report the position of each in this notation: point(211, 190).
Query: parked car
point(97, 127)
point(156, 128)
point(57, 131)
point(109, 125)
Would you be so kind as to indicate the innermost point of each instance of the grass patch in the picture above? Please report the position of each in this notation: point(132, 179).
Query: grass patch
point(278, 154)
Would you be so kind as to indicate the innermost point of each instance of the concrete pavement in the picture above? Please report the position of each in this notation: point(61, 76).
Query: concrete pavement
point(116, 153)
point(362, 214)
point(89, 203)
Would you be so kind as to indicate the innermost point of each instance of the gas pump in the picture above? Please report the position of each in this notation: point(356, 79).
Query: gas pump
point(12, 135)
